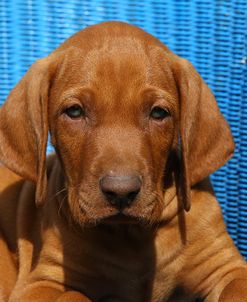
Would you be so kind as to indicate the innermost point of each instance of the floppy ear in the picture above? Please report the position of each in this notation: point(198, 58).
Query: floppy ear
point(24, 125)
point(206, 140)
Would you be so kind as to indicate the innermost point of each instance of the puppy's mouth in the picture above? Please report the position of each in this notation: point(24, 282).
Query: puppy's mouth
point(140, 211)
point(121, 218)
point(110, 215)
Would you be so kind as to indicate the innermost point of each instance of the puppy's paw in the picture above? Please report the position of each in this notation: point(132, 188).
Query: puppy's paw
point(235, 291)
point(73, 296)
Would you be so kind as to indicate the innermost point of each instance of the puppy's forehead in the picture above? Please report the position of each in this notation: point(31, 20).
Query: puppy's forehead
point(116, 58)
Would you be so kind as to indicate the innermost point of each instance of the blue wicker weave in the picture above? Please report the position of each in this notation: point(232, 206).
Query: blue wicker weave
point(211, 34)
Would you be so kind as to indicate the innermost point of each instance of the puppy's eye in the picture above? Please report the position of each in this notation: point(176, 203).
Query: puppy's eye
point(159, 113)
point(75, 111)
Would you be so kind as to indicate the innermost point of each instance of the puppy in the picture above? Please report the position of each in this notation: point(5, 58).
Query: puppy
point(124, 210)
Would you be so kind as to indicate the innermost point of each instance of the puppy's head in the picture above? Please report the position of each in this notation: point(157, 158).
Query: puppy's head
point(124, 114)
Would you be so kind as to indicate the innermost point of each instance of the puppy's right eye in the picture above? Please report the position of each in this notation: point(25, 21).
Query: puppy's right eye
point(159, 113)
point(75, 112)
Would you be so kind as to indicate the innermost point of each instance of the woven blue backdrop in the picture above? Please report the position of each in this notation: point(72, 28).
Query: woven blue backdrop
point(211, 34)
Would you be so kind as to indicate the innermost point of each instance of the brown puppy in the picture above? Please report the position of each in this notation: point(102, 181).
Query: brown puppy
point(136, 133)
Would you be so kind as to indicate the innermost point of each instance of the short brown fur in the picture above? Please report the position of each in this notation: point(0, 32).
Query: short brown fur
point(60, 239)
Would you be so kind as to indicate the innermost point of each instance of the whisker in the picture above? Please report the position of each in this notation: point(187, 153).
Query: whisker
point(59, 192)
point(61, 203)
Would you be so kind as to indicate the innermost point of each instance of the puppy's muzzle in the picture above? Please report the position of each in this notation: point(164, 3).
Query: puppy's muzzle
point(120, 190)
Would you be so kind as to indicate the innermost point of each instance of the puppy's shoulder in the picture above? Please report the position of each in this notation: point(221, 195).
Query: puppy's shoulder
point(205, 211)
point(203, 195)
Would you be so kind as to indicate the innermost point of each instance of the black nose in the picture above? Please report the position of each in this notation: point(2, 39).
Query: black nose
point(120, 190)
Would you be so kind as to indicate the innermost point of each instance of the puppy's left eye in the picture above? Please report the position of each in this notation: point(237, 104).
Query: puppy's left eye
point(75, 111)
point(159, 113)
